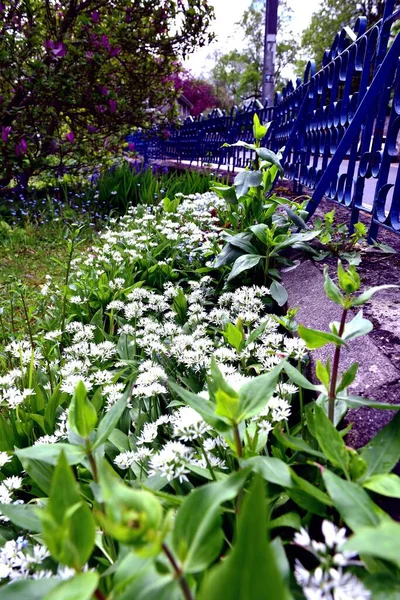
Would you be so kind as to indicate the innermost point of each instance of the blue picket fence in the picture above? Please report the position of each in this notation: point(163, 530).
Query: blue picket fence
point(338, 127)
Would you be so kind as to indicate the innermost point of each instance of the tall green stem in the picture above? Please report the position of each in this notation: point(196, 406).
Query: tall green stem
point(178, 573)
point(335, 370)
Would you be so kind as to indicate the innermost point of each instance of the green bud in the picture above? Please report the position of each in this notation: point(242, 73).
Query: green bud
point(349, 281)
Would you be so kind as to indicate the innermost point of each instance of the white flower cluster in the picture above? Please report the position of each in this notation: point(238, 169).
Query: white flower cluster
point(330, 580)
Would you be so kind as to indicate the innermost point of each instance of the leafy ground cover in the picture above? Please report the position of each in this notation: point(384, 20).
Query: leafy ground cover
point(158, 438)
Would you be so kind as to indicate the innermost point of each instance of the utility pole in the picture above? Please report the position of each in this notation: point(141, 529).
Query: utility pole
point(271, 27)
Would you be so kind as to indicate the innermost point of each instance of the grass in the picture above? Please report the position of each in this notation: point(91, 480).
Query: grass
point(27, 254)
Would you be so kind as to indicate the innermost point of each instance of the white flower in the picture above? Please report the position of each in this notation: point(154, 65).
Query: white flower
point(188, 424)
point(332, 534)
point(302, 538)
point(148, 434)
point(171, 461)
point(4, 458)
point(13, 482)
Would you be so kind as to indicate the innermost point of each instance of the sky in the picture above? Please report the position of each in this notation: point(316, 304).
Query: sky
point(227, 13)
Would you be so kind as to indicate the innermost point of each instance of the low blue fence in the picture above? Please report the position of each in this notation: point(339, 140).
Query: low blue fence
point(338, 127)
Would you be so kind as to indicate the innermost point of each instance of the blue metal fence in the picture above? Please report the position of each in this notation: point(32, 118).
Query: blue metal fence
point(338, 127)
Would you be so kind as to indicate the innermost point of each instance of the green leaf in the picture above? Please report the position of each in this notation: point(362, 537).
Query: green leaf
point(260, 231)
point(382, 541)
point(82, 416)
point(385, 485)
point(245, 180)
point(108, 422)
point(259, 130)
point(353, 503)
point(278, 293)
point(271, 469)
point(251, 563)
point(28, 589)
point(365, 296)
point(227, 192)
point(293, 216)
point(7, 440)
point(322, 374)
point(240, 240)
point(255, 394)
point(243, 263)
point(197, 535)
point(330, 441)
point(383, 452)
point(347, 378)
point(228, 255)
point(80, 587)
point(204, 407)
point(68, 525)
point(234, 336)
point(299, 379)
point(269, 156)
point(295, 443)
point(49, 453)
point(40, 472)
point(316, 339)
point(240, 144)
point(290, 519)
point(228, 406)
point(332, 290)
point(358, 401)
point(349, 281)
point(357, 327)
point(22, 515)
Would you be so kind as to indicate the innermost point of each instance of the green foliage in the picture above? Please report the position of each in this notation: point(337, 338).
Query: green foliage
point(72, 87)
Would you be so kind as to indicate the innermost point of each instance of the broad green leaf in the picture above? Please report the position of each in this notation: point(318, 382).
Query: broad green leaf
point(349, 281)
point(255, 394)
point(243, 263)
point(290, 519)
point(293, 216)
point(251, 563)
point(234, 336)
point(367, 295)
point(7, 440)
point(68, 524)
point(228, 255)
point(357, 327)
point(352, 502)
point(260, 231)
point(322, 373)
point(240, 240)
point(386, 485)
point(109, 422)
point(228, 406)
point(295, 443)
point(197, 535)
point(383, 452)
point(227, 192)
point(28, 589)
point(245, 180)
point(40, 472)
point(347, 378)
point(82, 416)
point(150, 584)
point(382, 541)
point(358, 401)
point(269, 156)
point(316, 339)
point(204, 407)
point(259, 130)
point(299, 379)
point(330, 441)
point(383, 586)
point(240, 144)
point(49, 453)
point(271, 469)
point(81, 587)
point(22, 515)
point(278, 293)
point(332, 290)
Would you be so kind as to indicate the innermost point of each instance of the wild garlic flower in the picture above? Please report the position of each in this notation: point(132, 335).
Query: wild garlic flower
point(171, 461)
point(329, 581)
point(188, 425)
point(4, 458)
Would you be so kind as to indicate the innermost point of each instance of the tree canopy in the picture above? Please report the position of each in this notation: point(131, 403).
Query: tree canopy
point(331, 17)
point(241, 72)
point(76, 75)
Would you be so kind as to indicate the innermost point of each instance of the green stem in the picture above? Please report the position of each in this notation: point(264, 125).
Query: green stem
point(335, 370)
point(207, 462)
point(238, 441)
point(301, 401)
point(178, 572)
point(27, 319)
point(92, 462)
